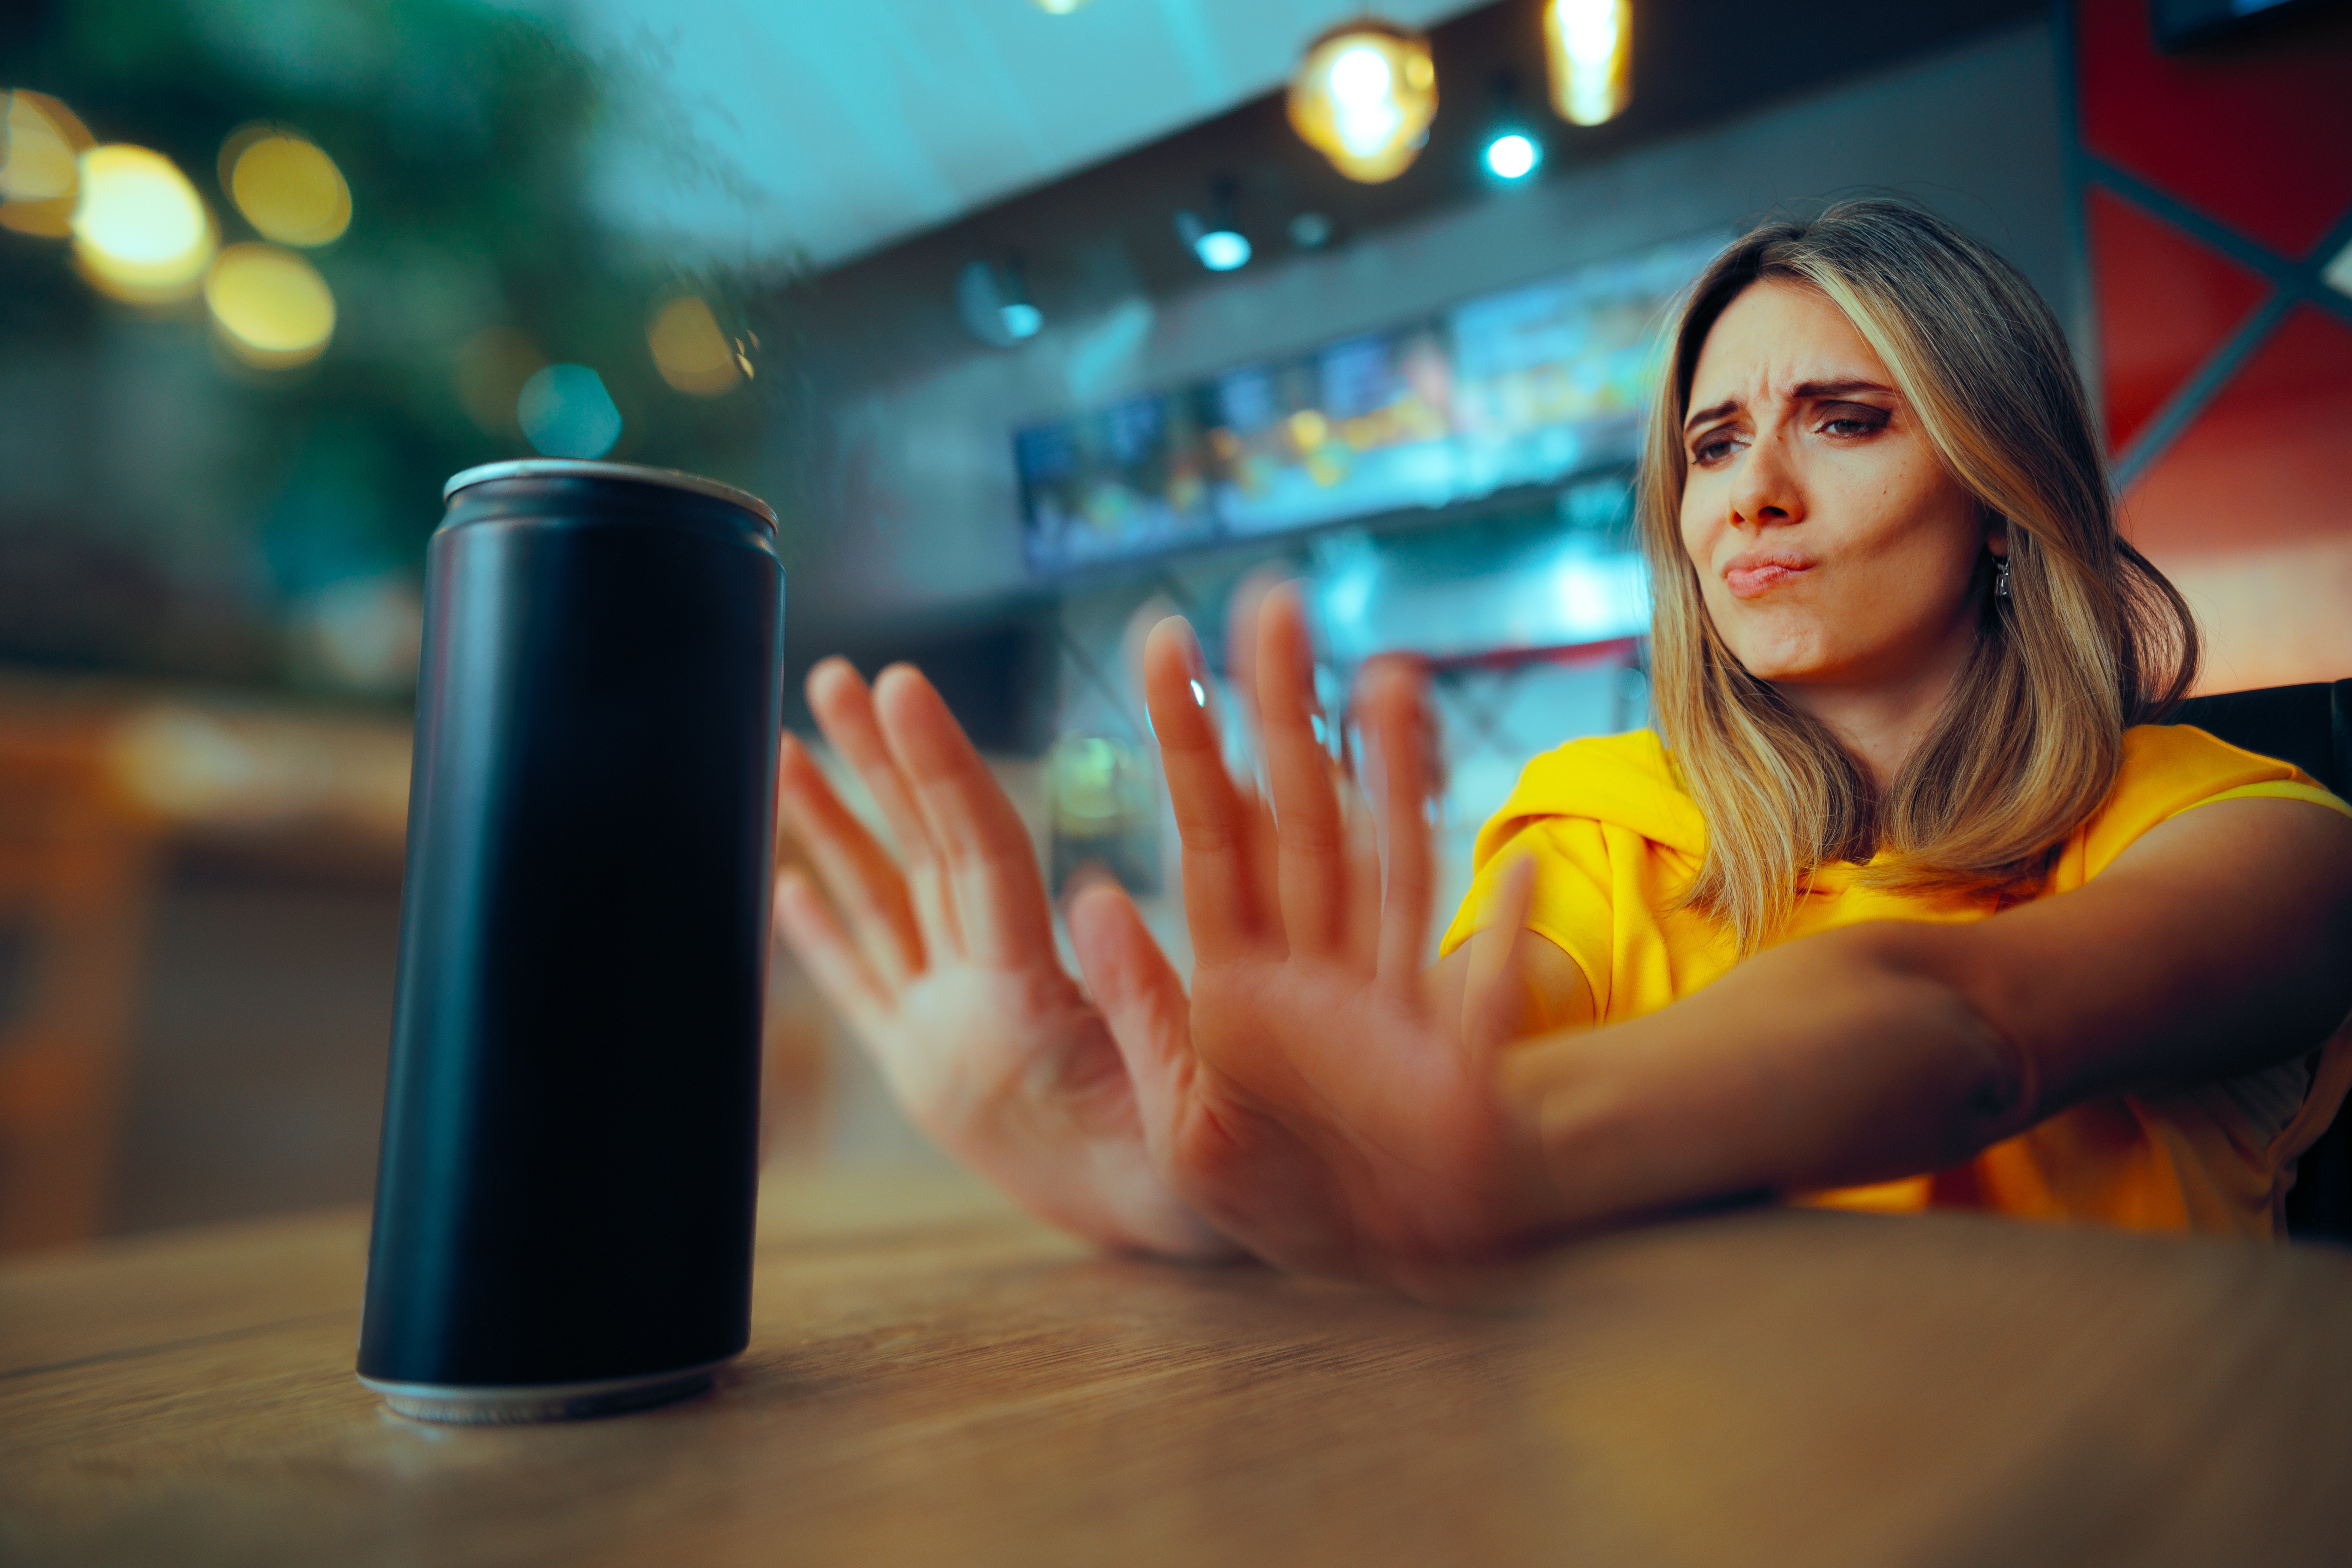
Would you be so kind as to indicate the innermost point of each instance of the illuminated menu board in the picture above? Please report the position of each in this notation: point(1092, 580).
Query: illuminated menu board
point(1528, 385)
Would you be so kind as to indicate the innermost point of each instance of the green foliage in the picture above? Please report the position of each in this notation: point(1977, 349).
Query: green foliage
point(467, 134)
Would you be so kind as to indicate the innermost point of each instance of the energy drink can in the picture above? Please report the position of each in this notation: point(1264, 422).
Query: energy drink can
point(564, 1195)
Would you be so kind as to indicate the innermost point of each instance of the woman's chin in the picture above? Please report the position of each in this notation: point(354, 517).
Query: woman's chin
point(1785, 662)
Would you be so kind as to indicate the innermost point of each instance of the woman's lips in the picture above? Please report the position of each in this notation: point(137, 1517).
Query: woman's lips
point(1760, 572)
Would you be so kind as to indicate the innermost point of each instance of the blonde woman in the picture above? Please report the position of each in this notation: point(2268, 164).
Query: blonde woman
point(1904, 903)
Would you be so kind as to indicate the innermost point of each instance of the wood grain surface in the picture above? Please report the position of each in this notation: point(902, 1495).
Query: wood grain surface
point(933, 1379)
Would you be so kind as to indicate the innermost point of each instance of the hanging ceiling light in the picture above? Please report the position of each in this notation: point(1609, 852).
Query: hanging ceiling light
point(1213, 236)
point(1589, 49)
point(1513, 151)
point(1363, 97)
point(993, 301)
point(1513, 156)
point(1213, 241)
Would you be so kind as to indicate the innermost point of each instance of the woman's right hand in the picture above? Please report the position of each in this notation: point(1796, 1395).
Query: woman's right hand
point(942, 960)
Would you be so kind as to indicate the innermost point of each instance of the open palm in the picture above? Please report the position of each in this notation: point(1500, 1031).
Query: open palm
point(941, 959)
point(1315, 1098)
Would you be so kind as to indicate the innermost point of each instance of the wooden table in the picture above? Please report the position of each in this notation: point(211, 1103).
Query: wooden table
point(933, 1379)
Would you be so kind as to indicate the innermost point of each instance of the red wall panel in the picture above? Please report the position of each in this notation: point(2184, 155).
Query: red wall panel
point(2256, 133)
point(2265, 464)
point(2236, 492)
point(2165, 302)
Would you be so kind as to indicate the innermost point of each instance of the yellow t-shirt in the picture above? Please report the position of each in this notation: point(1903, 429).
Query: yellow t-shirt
point(1615, 840)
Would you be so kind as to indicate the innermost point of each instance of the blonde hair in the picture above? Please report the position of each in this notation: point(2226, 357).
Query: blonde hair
point(2090, 640)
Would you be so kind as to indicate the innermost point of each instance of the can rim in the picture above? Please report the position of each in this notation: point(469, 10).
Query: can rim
point(475, 1404)
point(581, 467)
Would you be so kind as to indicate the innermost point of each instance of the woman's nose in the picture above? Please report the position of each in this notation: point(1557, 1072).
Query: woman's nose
point(1765, 492)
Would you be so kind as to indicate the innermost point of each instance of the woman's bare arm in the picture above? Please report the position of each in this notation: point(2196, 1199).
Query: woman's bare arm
point(2217, 945)
point(1547, 991)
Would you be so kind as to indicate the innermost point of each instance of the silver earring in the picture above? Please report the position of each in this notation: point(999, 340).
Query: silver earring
point(2000, 578)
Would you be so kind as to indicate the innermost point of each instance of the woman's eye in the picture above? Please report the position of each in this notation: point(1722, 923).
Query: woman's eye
point(1712, 450)
point(1854, 422)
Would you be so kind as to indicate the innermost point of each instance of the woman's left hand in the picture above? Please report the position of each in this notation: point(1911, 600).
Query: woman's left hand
point(1320, 1099)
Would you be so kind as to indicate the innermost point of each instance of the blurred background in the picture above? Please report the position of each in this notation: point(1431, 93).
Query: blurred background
point(1035, 319)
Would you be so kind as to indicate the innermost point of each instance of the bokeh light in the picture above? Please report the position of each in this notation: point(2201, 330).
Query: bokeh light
point(692, 354)
point(271, 306)
point(40, 143)
point(1513, 156)
point(140, 231)
point(565, 412)
point(1589, 50)
point(286, 186)
point(1222, 249)
point(1363, 97)
point(363, 633)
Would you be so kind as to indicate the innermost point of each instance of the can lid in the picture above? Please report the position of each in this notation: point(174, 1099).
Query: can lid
point(582, 468)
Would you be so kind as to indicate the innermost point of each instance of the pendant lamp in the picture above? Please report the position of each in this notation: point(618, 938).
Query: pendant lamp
point(1589, 50)
point(1363, 97)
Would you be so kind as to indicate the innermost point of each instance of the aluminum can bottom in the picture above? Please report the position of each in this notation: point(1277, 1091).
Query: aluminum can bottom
point(486, 1406)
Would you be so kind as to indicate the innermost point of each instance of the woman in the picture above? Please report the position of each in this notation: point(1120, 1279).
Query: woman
point(1904, 903)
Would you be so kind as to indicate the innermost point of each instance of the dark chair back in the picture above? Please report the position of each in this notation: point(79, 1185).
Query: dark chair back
point(2310, 726)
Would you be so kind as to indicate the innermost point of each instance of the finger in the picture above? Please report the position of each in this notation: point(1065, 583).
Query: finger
point(1399, 744)
point(1241, 649)
point(1495, 994)
point(845, 711)
point(1142, 1001)
point(1212, 818)
point(826, 952)
point(991, 860)
point(1260, 874)
point(855, 868)
point(1245, 751)
point(1237, 738)
point(1310, 843)
point(1360, 830)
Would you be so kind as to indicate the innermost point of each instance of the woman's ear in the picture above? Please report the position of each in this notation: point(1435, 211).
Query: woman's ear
point(1996, 529)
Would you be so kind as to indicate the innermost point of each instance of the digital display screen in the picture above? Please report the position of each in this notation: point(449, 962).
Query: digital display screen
point(1128, 480)
point(1527, 385)
point(1357, 429)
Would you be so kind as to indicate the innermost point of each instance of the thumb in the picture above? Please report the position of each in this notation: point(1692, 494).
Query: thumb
point(1141, 999)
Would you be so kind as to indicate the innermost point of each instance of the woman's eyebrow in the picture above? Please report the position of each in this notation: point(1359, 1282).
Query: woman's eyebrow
point(1804, 390)
point(1814, 389)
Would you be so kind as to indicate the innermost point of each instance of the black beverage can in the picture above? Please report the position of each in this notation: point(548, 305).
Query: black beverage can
point(564, 1195)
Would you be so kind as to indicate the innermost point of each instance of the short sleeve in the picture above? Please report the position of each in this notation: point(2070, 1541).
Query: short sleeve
point(1571, 907)
point(2299, 788)
point(2169, 769)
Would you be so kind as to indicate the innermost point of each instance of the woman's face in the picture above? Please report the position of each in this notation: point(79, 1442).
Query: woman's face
point(1833, 547)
